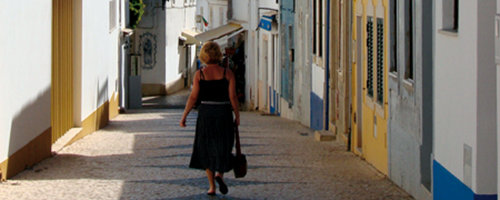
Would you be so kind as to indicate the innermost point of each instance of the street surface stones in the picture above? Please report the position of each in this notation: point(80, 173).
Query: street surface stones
point(144, 154)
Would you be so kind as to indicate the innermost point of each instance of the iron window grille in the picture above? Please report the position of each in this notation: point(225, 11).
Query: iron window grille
point(380, 60)
point(369, 60)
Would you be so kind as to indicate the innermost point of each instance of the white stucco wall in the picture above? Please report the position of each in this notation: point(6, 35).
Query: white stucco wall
point(25, 62)
point(202, 5)
point(486, 171)
point(152, 26)
point(166, 25)
point(318, 78)
point(240, 12)
point(498, 106)
point(268, 4)
point(457, 96)
point(177, 20)
point(99, 56)
point(219, 14)
point(455, 83)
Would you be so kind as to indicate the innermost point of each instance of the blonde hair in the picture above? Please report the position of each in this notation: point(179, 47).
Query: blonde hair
point(210, 53)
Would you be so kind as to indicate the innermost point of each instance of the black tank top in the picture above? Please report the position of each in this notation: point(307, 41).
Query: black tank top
point(214, 90)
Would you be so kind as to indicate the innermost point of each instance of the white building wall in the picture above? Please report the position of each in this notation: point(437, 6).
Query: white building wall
point(99, 56)
point(486, 171)
point(239, 13)
point(218, 16)
point(456, 87)
point(152, 24)
point(25, 62)
point(498, 127)
point(497, 51)
point(458, 97)
point(269, 4)
point(177, 20)
point(166, 26)
point(318, 77)
point(252, 65)
point(202, 9)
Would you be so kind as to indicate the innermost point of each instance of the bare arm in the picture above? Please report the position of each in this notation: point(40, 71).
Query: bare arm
point(193, 97)
point(232, 96)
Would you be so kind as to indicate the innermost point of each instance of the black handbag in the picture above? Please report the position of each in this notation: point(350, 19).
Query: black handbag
point(239, 160)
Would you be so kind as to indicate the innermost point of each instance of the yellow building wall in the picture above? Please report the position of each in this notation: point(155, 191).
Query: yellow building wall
point(374, 136)
point(355, 118)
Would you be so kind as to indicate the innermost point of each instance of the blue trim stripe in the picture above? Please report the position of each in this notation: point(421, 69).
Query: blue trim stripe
point(269, 17)
point(447, 186)
point(272, 102)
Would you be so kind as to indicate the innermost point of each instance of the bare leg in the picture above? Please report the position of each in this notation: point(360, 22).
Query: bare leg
point(221, 175)
point(210, 176)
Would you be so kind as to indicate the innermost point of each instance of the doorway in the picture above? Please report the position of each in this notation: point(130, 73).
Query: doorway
point(62, 68)
point(359, 84)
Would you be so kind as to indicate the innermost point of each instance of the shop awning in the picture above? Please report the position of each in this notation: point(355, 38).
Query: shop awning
point(191, 36)
point(218, 32)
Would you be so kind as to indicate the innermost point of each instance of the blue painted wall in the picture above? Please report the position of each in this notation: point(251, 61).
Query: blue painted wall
point(447, 186)
point(316, 112)
point(287, 13)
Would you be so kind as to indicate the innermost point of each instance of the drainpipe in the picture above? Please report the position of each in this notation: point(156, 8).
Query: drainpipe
point(327, 68)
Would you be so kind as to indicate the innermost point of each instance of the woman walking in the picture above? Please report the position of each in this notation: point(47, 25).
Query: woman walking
point(215, 88)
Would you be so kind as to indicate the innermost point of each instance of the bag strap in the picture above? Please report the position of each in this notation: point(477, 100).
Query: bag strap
point(237, 137)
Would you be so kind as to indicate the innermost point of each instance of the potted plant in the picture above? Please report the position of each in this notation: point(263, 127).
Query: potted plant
point(136, 12)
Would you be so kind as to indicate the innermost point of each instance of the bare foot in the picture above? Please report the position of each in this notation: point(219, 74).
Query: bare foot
point(222, 186)
point(211, 192)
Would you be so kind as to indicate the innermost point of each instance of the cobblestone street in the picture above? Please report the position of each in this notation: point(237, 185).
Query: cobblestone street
point(144, 154)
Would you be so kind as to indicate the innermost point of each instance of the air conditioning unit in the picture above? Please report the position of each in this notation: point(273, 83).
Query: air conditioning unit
point(198, 18)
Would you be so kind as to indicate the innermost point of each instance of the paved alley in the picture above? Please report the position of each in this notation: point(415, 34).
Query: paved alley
point(144, 154)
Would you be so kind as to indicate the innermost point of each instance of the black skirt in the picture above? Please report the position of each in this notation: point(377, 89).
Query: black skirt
point(214, 139)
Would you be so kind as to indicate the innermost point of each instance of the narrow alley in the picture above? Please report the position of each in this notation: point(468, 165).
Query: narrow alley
point(144, 154)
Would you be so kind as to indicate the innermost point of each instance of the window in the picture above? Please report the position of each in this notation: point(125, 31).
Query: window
point(394, 36)
point(112, 15)
point(450, 15)
point(291, 43)
point(283, 46)
point(315, 25)
point(409, 38)
point(320, 28)
point(380, 60)
point(455, 15)
point(369, 59)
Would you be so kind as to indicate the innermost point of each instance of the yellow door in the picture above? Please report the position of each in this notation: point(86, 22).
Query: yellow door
point(375, 85)
point(62, 68)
